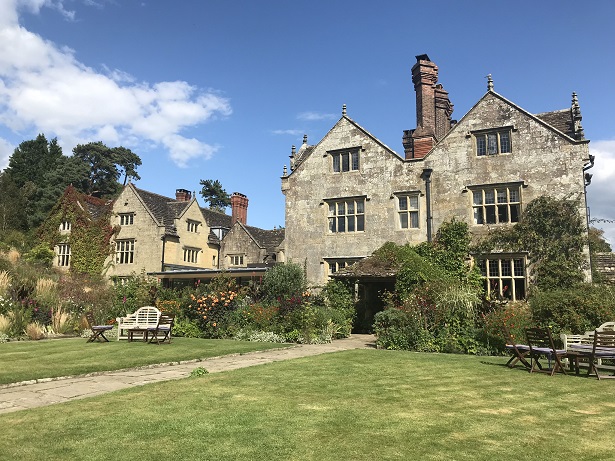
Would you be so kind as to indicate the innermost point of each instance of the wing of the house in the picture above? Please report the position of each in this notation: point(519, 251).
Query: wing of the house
point(247, 246)
point(77, 228)
point(158, 233)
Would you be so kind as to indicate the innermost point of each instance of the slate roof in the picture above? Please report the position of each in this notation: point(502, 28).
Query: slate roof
point(370, 267)
point(267, 239)
point(605, 264)
point(166, 209)
point(561, 120)
point(96, 207)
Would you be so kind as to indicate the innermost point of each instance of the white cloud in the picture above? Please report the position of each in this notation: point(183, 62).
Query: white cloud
point(315, 116)
point(600, 191)
point(291, 132)
point(43, 88)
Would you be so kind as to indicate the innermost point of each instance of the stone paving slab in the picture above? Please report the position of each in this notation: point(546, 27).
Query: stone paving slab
point(48, 392)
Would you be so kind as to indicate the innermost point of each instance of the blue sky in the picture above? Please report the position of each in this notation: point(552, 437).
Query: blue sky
point(204, 89)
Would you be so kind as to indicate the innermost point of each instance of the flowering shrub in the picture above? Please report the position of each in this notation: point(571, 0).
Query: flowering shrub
point(211, 311)
point(516, 317)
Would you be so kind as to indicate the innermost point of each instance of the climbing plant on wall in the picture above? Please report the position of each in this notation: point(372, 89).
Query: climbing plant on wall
point(90, 234)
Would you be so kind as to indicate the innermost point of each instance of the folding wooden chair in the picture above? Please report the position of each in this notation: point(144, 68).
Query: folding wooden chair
point(603, 348)
point(98, 331)
point(541, 345)
point(164, 327)
point(518, 351)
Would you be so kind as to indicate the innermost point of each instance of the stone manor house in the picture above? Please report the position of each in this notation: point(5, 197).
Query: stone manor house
point(349, 194)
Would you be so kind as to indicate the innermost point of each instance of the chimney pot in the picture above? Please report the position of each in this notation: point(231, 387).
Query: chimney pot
point(183, 195)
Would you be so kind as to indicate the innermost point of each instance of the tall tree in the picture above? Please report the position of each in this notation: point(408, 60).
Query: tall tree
point(214, 194)
point(127, 161)
point(31, 159)
point(106, 165)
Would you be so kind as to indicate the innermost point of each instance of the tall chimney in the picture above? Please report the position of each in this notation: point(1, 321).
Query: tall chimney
point(239, 206)
point(183, 195)
point(433, 110)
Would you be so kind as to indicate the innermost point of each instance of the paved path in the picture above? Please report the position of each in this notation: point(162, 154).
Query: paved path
point(48, 392)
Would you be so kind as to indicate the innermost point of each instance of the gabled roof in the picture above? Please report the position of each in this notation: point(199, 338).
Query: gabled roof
point(266, 239)
point(96, 207)
point(306, 150)
point(166, 209)
point(561, 120)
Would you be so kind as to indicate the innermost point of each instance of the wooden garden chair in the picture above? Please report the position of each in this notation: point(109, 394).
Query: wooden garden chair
point(518, 352)
point(542, 346)
point(162, 332)
point(98, 331)
point(603, 348)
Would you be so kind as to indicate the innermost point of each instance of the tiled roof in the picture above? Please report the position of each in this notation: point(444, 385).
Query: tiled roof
point(605, 264)
point(97, 207)
point(166, 209)
point(216, 219)
point(560, 120)
point(267, 239)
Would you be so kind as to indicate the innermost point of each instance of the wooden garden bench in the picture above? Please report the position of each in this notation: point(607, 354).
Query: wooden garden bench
point(144, 320)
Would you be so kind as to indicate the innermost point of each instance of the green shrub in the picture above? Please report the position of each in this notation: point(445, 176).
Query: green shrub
point(574, 310)
point(283, 281)
point(186, 328)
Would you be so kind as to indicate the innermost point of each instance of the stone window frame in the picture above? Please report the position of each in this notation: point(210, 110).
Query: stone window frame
point(236, 260)
point(345, 160)
point(352, 216)
point(191, 255)
point(127, 219)
point(405, 214)
point(493, 141)
point(492, 208)
point(336, 264)
point(505, 275)
point(63, 253)
point(125, 251)
point(192, 226)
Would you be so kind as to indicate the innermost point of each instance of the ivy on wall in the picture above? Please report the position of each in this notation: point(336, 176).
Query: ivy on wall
point(90, 234)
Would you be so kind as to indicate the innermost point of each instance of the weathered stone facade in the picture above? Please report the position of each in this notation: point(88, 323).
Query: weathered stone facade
point(349, 194)
point(157, 233)
point(246, 246)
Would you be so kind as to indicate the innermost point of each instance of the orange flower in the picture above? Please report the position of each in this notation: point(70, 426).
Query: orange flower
point(214, 324)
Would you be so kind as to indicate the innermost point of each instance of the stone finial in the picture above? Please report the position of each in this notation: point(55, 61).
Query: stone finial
point(292, 159)
point(344, 109)
point(576, 109)
point(284, 171)
point(576, 117)
point(305, 139)
point(293, 151)
point(489, 83)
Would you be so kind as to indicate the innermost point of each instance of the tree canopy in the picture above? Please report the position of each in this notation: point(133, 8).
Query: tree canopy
point(214, 194)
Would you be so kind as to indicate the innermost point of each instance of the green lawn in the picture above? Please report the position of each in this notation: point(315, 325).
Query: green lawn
point(25, 360)
point(354, 405)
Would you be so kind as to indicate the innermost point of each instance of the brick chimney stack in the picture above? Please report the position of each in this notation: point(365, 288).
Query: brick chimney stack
point(183, 195)
point(433, 110)
point(239, 206)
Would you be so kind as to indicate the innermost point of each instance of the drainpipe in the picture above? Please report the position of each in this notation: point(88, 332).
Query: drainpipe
point(426, 175)
point(164, 240)
point(587, 179)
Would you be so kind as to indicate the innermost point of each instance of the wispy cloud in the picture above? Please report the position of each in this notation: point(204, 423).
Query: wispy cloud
point(290, 132)
point(315, 116)
point(44, 88)
point(600, 191)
